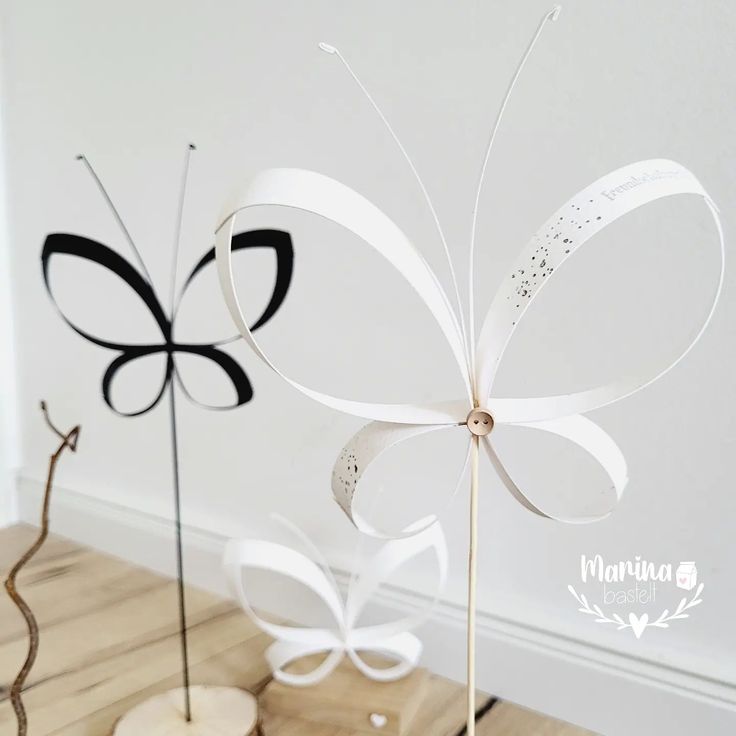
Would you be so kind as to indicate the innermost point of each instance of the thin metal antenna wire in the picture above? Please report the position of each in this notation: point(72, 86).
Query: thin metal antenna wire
point(116, 215)
point(552, 15)
point(180, 590)
point(332, 50)
point(177, 232)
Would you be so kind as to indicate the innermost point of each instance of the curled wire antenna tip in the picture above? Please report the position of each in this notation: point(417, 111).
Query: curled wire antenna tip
point(79, 157)
point(554, 14)
point(327, 48)
point(192, 147)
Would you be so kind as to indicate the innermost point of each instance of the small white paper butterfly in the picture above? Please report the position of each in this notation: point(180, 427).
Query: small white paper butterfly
point(347, 637)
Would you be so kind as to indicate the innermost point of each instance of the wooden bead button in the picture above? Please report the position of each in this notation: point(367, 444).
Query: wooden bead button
point(480, 422)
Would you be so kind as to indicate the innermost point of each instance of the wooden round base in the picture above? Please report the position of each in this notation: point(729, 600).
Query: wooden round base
point(216, 711)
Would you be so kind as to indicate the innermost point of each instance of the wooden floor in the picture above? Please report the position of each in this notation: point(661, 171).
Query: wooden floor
point(108, 642)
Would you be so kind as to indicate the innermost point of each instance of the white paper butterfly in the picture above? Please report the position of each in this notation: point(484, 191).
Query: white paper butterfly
point(563, 235)
point(347, 637)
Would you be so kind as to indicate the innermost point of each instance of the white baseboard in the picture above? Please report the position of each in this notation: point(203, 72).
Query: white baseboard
point(8, 495)
point(8, 508)
point(603, 690)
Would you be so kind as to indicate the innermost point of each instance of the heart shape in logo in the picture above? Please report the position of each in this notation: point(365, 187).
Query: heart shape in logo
point(638, 623)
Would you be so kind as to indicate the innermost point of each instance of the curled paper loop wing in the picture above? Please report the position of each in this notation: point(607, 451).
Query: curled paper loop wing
point(364, 447)
point(327, 198)
point(118, 365)
point(278, 558)
point(294, 642)
point(393, 639)
point(227, 365)
point(377, 437)
point(279, 241)
point(588, 212)
point(588, 436)
point(389, 558)
point(66, 244)
point(281, 654)
point(405, 648)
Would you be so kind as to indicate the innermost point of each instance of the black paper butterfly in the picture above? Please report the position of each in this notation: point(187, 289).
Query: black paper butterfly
point(94, 252)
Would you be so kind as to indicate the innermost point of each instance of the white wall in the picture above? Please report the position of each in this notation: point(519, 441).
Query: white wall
point(8, 399)
point(130, 84)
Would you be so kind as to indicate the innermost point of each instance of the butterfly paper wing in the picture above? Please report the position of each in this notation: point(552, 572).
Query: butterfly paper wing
point(208, 364)
point(383, 564)
point(573, 225)
point(293, 642)
point(277, 242)
point(128, 293)
point(93, 253)
point(214, 367)
point(121, 382)
point(365, 447)
point(586, 435)
point(395, 638)
point(327, 198)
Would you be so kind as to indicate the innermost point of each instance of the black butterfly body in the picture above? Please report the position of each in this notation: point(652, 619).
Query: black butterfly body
point(92, 251)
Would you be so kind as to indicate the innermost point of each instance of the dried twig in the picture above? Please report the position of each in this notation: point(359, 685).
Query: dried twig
point(67, 440)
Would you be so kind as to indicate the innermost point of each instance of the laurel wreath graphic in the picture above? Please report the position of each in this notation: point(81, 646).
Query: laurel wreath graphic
point(638, 624)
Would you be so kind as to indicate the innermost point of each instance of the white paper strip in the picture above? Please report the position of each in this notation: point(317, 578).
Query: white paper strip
point(325, 197)
point(375, 438)
point(573, 225)
point(362, 449)
point(587, 435)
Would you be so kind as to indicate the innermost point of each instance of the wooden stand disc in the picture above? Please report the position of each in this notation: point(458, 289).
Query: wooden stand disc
point(216, 711)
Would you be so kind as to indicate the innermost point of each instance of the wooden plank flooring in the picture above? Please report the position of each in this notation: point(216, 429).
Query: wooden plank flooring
point(108, 641)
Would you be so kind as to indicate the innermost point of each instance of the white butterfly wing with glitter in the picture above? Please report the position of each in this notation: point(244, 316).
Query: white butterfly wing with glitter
point(365, 447)
point(573, 225)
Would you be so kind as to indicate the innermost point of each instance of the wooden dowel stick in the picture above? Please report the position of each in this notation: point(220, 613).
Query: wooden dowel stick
point(472, 579)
